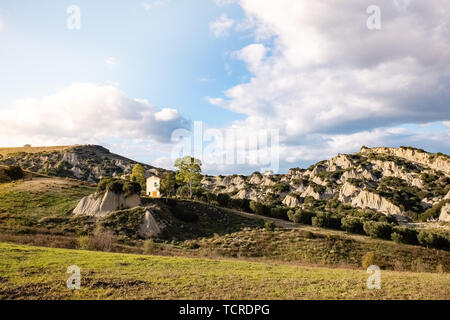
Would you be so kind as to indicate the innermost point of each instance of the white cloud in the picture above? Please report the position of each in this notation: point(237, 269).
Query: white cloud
point(1, 25)
point(86, 112)
point(167, 114)
point(327, 78)
point(221, 26)
point(111, 61)
point(222, 3)
point(149, 5)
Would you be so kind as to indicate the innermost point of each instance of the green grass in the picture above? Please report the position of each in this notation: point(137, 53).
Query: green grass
point(40, 273)
point(25, 203)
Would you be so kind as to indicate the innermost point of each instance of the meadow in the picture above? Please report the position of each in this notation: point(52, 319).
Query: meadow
point(40, 273)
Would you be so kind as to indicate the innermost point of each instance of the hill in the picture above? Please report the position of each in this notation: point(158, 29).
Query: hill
point(404, 183)
point(126, 276)
point(38, 212)
point(84, 162)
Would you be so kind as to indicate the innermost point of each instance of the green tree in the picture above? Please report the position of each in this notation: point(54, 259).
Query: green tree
point(189, 172)
point(168, 183)
point(137, 175)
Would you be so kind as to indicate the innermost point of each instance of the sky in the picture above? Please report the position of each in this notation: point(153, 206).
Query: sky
point(244, 85)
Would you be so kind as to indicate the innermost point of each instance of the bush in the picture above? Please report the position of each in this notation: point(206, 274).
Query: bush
point(131, 188)
point(269, 226)
point(368, 259)
point(353, 224)
point(300, 216)
point(317, 222)
point(241, 204)
point(259, 208)
point(431, 239)
point(103, 240)
point(397, 237)
point(84, 243)
point(279, 212)
point(211, 197)
point(223, 199)
point(149, 247)
point(326, 220)
point(103, 184)
point(183, 192)
point(404, 235)
point(116, 186)
point(375, 229)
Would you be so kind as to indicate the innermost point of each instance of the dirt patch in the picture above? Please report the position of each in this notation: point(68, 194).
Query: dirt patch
point(113, 283)
point(34, 291)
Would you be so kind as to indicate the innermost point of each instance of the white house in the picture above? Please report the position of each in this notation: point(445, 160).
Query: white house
point(153, 183)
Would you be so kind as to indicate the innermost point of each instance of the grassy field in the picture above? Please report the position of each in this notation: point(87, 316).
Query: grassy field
point(40, 273)
point(24, 203)
point(5, 151)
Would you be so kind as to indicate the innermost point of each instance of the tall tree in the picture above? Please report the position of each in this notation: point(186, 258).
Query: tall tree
point(189, 172)
point(137, 175)
point(168, 182)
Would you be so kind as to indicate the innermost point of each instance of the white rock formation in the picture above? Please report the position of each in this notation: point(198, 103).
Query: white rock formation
point(292, 201)
point(100, 205)
point(445, 213)
point(149, 227)
point(366, 199)
point(433, 161)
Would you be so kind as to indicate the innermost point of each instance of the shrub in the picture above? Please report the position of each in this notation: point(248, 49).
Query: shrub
point(103, 240)
point(397, 237)
point(353, 224)
point(317, 222)
point(241, 204)
point(223, 199)
point(375, 229)
point(259, 208)
point(131, 188)
point(103, 184)
point(84, 243)
point(304, 216)
point(281, 187)
point(431, 239)
point(183, 192)
point(116, 186)
point(149, 246)
point(269, 226)
point(368, 259)
point(279, 212)
point(404, 235)
point(326, 220)
point(211, 197)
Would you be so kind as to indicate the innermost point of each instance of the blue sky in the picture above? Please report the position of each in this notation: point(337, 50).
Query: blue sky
point(166, 50)
point(312, 71)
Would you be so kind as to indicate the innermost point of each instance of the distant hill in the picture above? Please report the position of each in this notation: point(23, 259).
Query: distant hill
point(83, 162)
point(402, 182)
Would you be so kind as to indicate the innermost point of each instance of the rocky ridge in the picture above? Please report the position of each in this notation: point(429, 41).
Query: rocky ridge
point(403, 182)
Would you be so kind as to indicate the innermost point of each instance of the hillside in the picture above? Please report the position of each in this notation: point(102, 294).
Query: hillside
point(84, 162)
point(403, 183)
point(126, 276)
point(39, 212)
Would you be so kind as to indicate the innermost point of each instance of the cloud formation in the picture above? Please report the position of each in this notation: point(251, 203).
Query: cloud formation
point(320, 75)
point(86, 112)
point(221, 26)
